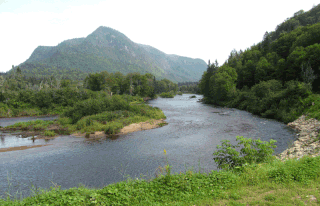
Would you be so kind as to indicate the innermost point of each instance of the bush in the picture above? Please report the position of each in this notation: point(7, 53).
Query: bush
point(49, 133)
point(64, 120)
point(167, 95)
point(254, 151)
point(113, 127)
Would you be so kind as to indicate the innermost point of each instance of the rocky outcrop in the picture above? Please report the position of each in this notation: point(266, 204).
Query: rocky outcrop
point(308, 142)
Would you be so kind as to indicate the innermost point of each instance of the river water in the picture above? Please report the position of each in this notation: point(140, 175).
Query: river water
point(190, 138)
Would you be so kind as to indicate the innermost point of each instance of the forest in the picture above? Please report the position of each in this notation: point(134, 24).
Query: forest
point(24, 96)
point(101, 102)
point(277, 78)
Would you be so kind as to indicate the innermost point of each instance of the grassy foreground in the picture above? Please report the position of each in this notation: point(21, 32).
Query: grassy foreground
point(293, 182)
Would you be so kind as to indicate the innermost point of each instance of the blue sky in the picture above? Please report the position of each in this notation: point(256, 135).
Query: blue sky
point(198, 29)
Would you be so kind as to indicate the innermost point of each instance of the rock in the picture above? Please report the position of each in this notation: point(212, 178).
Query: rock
point(307, 142)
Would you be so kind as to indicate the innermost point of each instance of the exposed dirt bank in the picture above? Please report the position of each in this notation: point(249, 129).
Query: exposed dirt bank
point(21, 148)
point(150, 124)
point(308, 142)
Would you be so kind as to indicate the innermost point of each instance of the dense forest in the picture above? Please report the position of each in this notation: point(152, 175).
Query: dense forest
point(22, 96)
point(273, 78)
point(189, 87)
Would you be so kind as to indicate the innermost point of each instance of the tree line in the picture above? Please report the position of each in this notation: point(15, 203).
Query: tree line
point(271, 78)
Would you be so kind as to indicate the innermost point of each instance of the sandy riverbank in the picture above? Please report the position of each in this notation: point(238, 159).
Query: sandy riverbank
point(150, 124)
point(21, 148)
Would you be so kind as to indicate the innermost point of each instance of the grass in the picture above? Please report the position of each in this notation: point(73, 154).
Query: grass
point(162, 124)
point(49, 133)
point(108, 121)
point(293, 182)
point(31, 125)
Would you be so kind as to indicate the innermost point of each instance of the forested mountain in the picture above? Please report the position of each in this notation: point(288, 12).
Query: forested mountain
point(109, 50)
point(275, 77)
point(282, 57)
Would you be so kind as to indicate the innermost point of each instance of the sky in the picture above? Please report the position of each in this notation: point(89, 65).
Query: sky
point(205, 29)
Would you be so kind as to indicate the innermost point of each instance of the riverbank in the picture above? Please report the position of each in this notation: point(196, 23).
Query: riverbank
point(270, 183)
point(56, 128)
point(9, 149)
point(308, 141)
point(257, 184)
point(150, 124)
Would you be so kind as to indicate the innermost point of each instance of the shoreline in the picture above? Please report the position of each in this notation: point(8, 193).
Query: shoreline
point(150, 124)
point(48, 115)
point(307, 142)
point(9, 149)
point(134, 127)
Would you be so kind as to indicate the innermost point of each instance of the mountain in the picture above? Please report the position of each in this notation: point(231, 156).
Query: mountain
point(109, 50)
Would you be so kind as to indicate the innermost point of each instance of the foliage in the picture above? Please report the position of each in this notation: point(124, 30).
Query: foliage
point(49, 133)
point(256, 181)
point(272, 78)
point(254, 151)
point(167, 94)
point(189, 87)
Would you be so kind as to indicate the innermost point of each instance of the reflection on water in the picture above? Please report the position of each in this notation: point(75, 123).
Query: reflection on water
point(193, 132)
point(16, 140)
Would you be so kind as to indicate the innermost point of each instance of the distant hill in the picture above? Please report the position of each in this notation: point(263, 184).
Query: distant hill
point(109, 50)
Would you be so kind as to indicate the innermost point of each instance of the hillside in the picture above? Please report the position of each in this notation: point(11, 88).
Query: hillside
point(109, 50)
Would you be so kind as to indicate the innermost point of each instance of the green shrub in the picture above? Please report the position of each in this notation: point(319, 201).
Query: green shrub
point(113, 127)
point(49, 133)
point(254, 151)
point(64, 120)
point(95, 106)
point(167, 95)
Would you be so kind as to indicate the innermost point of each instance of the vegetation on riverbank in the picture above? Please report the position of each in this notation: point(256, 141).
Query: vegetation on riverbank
point(273, 79)
point(167, 94)
point(267, 181)
point(277, 78)
point(108, 114)
point(22, 96)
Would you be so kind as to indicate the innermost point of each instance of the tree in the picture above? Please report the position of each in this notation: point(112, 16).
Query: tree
point(65, 83)
point(223, 84)
point(307, 74)
point(94, 82)
point(266, 42)
point(263, 70)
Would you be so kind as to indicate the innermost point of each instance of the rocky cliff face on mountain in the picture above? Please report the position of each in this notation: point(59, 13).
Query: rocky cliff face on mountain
point(109, 50)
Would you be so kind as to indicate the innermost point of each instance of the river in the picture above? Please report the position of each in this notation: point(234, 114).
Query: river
point(190, 138)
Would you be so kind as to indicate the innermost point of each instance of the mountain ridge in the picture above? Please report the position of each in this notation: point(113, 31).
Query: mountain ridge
point(107, 49)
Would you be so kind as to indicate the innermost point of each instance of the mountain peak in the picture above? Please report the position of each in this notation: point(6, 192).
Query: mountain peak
point(107, 49)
